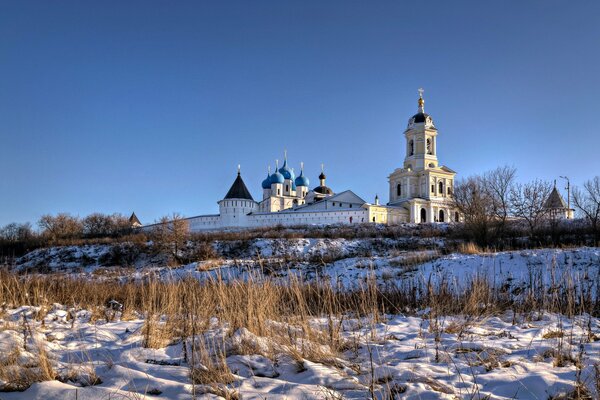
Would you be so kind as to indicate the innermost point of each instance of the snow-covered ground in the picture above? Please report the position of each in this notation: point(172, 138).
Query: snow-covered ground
point(403, 356)
point(528, 356)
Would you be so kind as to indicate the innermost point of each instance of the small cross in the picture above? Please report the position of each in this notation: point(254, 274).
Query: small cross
point(421, 92)
point(322, 167)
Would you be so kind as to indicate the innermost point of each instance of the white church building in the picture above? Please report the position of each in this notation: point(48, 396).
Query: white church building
point(419, 191)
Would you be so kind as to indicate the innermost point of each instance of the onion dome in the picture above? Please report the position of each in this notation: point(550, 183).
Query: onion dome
point(302, 180)
point(322, 176)
point(286, 171)
point(266, 184)
point(277, 177)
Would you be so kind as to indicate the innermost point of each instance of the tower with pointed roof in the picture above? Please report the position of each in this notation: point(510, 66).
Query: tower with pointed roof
point(134, 221)
point(421, 185)
point(237, 204)
point(556, 207)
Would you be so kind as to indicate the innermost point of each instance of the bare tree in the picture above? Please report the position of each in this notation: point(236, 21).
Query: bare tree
point(171, 235)
point(97, 225)
point(15, 232)
point(527, 203)
point(61, 226)
point(498, 183)
point(587, 201)
point(476, 206)
point(101, 225)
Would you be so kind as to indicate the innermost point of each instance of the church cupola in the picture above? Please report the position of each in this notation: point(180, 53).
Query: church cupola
point(302, 180)
point(322, 188)
point(421, 117)
point(421, 140)
point(266, 184)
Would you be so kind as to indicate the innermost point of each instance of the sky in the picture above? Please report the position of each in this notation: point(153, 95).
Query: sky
point(149, 106)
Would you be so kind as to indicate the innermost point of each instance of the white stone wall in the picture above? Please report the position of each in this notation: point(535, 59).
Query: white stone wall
point(309, 218)
point(204, 222)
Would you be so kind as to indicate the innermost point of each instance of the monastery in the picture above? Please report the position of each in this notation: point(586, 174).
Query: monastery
point(419, 191)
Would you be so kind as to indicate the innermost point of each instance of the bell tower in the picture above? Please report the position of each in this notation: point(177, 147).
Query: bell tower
point(421, 185)
point(421, 140)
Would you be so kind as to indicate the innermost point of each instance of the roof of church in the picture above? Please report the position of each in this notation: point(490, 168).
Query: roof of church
point(238, 190)
point(555, 200)
point(134, 219)
point(419, 117)
point(323, 190)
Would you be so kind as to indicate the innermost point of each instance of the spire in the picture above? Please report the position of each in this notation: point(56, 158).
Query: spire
point(421, 101)
point(276, 165)
point(238, 190)
point(301, 167)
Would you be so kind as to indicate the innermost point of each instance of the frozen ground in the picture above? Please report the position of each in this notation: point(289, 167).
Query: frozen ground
point(346, 263)
point(532, 356)
point(406, 357)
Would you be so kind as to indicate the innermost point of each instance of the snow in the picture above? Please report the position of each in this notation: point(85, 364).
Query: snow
point(410, 356)
point(403, 355)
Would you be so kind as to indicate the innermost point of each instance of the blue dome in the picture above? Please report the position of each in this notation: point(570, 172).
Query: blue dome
point(277, 178)
point(285, 171)
point(302, 180)
point(266, 184)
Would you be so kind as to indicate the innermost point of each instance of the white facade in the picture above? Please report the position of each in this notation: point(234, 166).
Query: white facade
point(421, 185)
point(420, 191)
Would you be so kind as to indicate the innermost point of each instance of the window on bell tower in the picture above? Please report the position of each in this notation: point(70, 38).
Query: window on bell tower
point(398, 190)
point(411, 147)
point(429, 149)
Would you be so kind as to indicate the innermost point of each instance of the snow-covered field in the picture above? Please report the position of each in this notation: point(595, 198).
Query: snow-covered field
point(531, 355)
point(407, 357)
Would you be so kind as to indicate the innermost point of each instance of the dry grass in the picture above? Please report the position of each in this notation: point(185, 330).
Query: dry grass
point(469, 248)
point(277, 318)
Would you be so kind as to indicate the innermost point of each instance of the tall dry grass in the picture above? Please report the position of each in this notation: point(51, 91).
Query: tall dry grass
point(182, 311)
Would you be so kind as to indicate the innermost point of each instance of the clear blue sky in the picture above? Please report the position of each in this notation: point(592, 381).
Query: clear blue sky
point(149, 106)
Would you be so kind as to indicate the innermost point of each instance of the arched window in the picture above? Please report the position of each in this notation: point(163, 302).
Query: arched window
point(411, 147)
point(399, 190)
point(441, 217)
point(429, 150)
point(456, 218)
point(441, 187)
point(423, 215)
